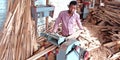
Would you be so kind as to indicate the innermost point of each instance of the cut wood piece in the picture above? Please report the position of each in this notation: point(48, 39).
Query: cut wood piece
point(36, 56)
point(40, 49)
point(111, 44)
point(74, 35)
point(115, 56)
point(115, 48)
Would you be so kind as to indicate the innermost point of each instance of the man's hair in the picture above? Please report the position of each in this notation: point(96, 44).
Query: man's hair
point(73, 3)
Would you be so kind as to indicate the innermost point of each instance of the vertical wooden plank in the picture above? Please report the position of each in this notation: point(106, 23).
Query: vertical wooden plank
point(17, 40)
point(47, 2)
point(47, 23)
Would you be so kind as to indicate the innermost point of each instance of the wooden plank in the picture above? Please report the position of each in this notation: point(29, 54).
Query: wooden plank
point(115, 56)
point(111, 44)
point(36, 56)
point(75, 35)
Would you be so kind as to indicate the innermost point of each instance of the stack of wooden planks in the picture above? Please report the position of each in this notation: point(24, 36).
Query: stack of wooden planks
point(18, 41)
point(46, 50)
point(107, 20)
point(104, 23)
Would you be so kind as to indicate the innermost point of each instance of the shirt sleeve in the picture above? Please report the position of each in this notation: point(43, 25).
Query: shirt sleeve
point(79, 22)
point(58, 20)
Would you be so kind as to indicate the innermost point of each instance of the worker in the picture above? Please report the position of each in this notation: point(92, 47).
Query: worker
point(84, 9)
point(68, 18)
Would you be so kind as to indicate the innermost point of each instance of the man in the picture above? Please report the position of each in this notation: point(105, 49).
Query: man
point(68, 18)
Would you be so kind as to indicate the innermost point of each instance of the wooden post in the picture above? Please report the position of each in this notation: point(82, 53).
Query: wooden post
point(47, 1)
point(93, 3)
point(33, 10)
point(47, 23)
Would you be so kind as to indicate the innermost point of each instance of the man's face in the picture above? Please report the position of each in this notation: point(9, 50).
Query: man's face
point(72, 8)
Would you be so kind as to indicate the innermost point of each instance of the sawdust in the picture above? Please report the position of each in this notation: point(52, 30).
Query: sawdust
point(101, 53)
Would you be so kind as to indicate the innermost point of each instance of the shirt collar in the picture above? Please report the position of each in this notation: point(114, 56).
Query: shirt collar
point(68, 14)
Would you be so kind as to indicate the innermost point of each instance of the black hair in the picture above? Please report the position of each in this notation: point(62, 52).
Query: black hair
point(73, 3)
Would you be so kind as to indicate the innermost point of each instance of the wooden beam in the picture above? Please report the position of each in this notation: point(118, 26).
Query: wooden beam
point(36, 56)
point(75, 35)
point(115, 56)
point(47, 23)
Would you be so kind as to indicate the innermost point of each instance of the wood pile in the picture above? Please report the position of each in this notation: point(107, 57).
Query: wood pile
point(46, 49)
point(103, 22)
point(18, 41)
point(107, 20)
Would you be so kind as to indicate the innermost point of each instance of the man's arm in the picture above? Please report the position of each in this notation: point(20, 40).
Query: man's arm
point(58, 20)
point(79, 23)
